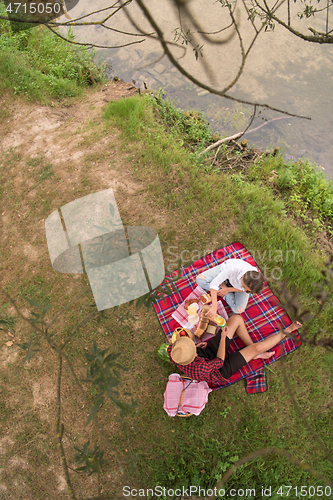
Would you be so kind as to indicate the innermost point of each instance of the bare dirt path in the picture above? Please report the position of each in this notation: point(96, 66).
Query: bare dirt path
point(49, 130)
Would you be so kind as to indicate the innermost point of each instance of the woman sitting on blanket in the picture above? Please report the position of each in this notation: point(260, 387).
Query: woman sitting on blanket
point(233, 280)
point(211, 362)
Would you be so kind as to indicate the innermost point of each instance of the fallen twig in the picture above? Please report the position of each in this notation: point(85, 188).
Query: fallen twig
point(239, 134)
point(217, 152)
point(221, 141)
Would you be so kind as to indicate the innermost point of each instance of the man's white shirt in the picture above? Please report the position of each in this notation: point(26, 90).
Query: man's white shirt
point(233, 270)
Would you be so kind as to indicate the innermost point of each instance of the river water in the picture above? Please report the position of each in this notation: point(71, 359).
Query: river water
point(281, 71)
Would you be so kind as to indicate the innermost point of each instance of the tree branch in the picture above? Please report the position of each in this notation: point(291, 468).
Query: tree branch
point(195, 80)
point(91, 45)
point(59, 431)
point(316, 38)
point(239, 134)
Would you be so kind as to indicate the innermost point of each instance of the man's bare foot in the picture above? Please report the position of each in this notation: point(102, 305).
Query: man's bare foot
point(265, 355)
point(294, 326)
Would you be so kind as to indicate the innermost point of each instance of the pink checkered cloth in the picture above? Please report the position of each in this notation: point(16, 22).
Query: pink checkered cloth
point(180, 314)
point(194, 400)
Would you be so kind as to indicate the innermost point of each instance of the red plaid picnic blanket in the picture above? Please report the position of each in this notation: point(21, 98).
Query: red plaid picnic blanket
point(263, 315)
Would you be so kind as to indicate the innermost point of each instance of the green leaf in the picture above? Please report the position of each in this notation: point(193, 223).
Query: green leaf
point(111, 357)
point(94, 410)
point(46, 308)
point(84, 468)
point(103, 229)
point(30, 354)
point(111, 209)
point(139, 302)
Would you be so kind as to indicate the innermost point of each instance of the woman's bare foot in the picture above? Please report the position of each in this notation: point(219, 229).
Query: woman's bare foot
point(265, 355)
point(294, 326)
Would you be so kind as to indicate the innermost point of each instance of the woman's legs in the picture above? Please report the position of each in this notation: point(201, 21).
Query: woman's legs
point(254, 350)
point(237, 326)
point(236, 360)
point(259, 349)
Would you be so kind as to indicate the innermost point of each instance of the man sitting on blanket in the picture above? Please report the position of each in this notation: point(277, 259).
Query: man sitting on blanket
point(233, 280)
point(211, 362)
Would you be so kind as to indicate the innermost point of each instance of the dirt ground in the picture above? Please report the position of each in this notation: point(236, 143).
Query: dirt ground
point(49, 156)
point(49, 130)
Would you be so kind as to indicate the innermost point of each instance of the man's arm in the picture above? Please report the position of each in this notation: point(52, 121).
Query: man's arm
point(212, 311)
point(221, 350)
point(225, 289)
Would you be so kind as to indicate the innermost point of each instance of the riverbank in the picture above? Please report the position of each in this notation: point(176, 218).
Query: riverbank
point(147, 151)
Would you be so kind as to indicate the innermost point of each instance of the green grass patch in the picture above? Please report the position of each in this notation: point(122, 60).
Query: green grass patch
point(266, 224)
point(307, 193)
point(35, 289)
point(40, 66)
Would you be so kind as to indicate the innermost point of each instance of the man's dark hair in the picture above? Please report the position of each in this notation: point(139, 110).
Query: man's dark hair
point(254, 281)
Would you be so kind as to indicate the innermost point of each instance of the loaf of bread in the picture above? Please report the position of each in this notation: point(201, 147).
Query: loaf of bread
point(203, 323)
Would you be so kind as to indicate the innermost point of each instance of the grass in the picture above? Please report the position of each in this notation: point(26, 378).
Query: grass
point(45, 170)
point(268, 226)
point(307, 193)
point(34, 289)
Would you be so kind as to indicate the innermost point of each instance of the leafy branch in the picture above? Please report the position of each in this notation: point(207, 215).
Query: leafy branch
point(103, 373)
point(323, 292)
